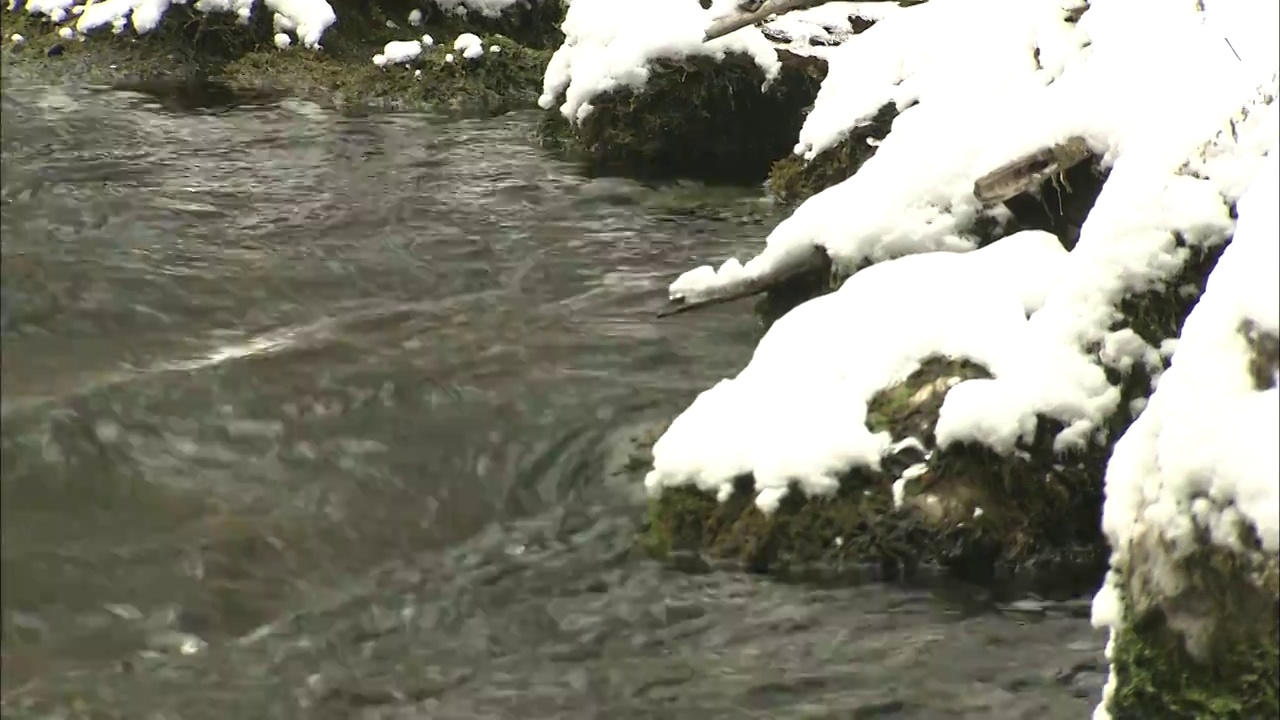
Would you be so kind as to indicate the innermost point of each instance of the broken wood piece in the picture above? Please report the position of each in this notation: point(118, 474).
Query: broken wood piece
point(812, 261)
point(1028, 173)
point(724, 25)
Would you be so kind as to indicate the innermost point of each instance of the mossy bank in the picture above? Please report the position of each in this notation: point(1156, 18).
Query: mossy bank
point(1211, 651)
point(1028, 519)
point(194, 47)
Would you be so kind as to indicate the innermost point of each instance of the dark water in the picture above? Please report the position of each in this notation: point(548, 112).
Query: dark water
point(318, 416)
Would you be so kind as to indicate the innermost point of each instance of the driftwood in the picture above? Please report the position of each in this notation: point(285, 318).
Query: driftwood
point(729, 23)
point(1027, 173)
point(812, 261)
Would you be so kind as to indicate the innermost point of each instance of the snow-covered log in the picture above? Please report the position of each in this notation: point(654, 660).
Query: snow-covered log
point(956, 400)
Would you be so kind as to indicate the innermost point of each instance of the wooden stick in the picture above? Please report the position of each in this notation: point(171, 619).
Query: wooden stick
point(729, 23)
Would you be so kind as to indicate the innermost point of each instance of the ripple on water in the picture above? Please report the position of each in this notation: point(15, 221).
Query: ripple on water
point(312, 415)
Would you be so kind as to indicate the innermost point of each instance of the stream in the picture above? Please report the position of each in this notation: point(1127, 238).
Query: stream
point(310, 414)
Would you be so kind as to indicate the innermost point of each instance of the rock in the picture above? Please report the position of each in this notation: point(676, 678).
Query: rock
point(1028, 520)
point(695, 117)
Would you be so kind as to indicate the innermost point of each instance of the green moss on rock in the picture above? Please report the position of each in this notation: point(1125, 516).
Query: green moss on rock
point(1038, 523)
point(1230, 670)
point(695, 117)
point(492, 84)
point(793, 179)
point(971, 513)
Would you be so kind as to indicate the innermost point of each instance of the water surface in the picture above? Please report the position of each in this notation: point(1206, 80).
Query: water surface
point(311, 415)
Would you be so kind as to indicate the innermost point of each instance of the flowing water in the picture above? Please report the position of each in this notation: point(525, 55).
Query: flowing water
point(316, 415)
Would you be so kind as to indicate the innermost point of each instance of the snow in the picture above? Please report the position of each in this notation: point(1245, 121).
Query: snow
point(797, 412)
point(1201, 460)
point(242, 9)
point(469, 45)
point(48, 7)
point(428, 41)
point(609, 45)
point(398, 52)
point(415, 17)
point(66, 33)
point(17, 39)
point(145, 15)
point(309, 19)
point(1121, 80)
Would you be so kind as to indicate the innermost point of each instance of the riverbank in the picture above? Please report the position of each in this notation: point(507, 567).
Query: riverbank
point(470, 64)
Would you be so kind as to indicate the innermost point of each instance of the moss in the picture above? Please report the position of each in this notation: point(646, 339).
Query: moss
point(1038, 523)
point(695, 117)
point(196, 47)
point(1157, 314)
point(492, 84)
point(910, 408)
point(1232, 674)
point(792, 179)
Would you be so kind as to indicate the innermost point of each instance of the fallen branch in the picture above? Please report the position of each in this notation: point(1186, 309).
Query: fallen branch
point(814, 260)
point(729, 23)
point(1029, 172)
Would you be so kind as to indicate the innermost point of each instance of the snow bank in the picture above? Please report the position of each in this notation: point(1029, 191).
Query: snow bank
point(609, 44)
point(307, 19)
point(1201, 461)
point(992, 80)
point(1148, 85)
point(797, 412)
